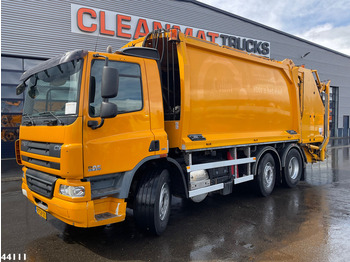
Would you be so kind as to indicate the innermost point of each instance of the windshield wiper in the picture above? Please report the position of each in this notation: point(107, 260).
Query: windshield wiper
point(31, 121)
point(52, 114)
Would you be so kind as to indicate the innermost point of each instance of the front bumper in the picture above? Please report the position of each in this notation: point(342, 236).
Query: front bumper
point(77, 212)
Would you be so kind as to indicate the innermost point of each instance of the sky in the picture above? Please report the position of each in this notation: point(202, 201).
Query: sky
point(324, 22)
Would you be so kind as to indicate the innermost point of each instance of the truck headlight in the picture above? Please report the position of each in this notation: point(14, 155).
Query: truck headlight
point(72, 191)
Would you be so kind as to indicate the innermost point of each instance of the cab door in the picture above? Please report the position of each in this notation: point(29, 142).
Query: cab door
point(123, 141)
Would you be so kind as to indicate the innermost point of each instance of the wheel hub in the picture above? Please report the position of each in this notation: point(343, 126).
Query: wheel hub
point(293, 168)
point(268, 175)
point(163, 202)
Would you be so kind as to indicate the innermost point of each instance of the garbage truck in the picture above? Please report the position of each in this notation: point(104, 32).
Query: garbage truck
point(166, 115)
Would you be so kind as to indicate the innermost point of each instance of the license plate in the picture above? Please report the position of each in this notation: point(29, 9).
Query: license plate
point(41, 212)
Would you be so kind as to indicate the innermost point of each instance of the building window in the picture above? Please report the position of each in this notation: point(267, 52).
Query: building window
point(333, 110)
point(11, 104)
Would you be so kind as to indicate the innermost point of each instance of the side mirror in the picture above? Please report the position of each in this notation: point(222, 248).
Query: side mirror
point(20, 88)
point(33, 92)
point(109, 89)
point(110, 82)
point(108, 110)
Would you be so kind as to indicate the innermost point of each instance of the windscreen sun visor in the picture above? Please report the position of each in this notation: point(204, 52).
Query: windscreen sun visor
point(69, 56)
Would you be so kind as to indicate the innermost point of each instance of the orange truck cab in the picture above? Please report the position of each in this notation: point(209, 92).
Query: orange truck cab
point(167, 114)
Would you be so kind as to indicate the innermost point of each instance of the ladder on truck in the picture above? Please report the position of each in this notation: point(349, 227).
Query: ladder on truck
point(234, 162)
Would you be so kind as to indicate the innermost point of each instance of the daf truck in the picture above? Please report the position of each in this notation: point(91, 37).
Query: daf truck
point(167, 114)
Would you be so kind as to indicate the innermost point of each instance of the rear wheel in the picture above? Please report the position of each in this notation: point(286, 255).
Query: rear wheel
point(293, 168)
point(153, 201)
point(266, 175)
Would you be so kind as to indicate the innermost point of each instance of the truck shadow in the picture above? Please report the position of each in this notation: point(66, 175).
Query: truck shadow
point(235, 227)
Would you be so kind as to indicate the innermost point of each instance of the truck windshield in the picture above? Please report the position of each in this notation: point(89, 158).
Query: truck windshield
point(52, 95)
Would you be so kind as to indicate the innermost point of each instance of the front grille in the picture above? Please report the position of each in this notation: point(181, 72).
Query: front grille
point(38, 149)
point(40, 182)
point(41, 148)
point(43, 163)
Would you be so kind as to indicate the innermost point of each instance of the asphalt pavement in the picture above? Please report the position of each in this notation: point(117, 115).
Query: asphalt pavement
point(308, 223)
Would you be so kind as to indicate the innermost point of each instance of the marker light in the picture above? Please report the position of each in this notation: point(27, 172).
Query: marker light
point(173, 35)
point(18, 152)
point(72, 191)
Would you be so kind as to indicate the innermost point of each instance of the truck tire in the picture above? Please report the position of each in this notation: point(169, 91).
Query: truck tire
point(153, 201)
point(266, 175)
point(293, 168)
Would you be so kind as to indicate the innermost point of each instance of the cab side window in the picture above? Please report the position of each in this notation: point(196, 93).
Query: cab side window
point(129, 98)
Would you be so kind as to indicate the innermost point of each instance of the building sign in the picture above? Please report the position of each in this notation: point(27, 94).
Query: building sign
point(94, 21)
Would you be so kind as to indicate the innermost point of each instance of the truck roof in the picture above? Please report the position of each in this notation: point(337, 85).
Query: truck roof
point(69, 56)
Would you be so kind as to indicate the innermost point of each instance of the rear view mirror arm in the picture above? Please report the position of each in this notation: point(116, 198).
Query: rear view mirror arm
point(105, 57)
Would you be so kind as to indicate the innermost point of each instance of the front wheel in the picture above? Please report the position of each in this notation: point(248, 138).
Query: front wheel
point(266, 175)
point(153, 201)
point(293, 168)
